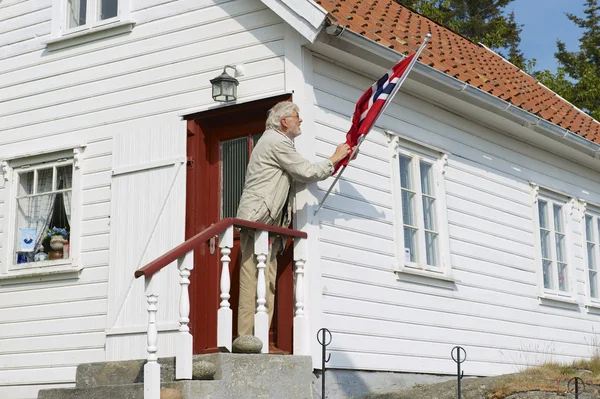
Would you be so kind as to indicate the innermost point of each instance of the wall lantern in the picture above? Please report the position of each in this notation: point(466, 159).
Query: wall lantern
point(224, 86)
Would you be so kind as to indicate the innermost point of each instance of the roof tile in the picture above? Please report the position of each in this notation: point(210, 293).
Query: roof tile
point(393, 25)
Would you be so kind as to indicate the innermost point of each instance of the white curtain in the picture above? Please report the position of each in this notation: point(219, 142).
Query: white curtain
point(42, 207)
point(66, 176)
point(75, 13)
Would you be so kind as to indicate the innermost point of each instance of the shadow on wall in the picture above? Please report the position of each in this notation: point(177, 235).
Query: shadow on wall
point(346, 192)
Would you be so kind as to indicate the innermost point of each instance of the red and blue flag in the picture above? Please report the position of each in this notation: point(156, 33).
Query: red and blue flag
point(371, 103)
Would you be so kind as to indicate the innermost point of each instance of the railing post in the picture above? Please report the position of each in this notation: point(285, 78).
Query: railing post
point(184, 344)
point(261, 318)
point(225, 315)
point(301, 340)
point(152, 368)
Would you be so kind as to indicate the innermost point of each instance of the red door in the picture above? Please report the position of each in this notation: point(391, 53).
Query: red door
point(219, 146)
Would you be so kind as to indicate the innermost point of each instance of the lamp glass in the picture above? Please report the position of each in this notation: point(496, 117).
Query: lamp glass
point(224, 87)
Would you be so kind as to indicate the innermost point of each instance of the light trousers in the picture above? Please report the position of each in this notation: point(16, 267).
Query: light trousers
point(249, 278)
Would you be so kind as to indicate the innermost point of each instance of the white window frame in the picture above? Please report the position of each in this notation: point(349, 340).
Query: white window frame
point(594, 212)
point(438, 159)
point(60, 30)
point(11, 169)
point(567, 207)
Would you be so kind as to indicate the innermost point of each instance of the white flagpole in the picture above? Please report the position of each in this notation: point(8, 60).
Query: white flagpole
point(388, 102)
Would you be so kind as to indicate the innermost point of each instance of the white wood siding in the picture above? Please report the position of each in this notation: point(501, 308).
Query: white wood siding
point(382, 321)
point(90, 94)
point(51, 324)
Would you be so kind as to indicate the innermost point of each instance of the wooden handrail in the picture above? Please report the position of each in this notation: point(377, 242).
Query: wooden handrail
point(205, 235)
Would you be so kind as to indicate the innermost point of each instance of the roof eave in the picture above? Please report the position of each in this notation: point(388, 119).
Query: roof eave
point(477, 96)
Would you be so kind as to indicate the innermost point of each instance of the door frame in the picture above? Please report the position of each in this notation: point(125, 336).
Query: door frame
point(199, 200)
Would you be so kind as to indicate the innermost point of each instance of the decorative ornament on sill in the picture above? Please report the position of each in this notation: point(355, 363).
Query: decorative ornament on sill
point(535, 191)
point(77, 156)
point(4, 166)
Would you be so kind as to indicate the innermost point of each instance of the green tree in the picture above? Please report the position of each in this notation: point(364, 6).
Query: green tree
point(578, 76)
point(479, 20)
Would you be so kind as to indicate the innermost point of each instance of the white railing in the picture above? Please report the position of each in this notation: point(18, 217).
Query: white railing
point(184, 345)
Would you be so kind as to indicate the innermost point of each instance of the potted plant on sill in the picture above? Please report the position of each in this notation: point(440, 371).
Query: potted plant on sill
point(58, 237)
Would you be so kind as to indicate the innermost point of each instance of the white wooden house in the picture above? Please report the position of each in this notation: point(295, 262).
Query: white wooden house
point(471, 216)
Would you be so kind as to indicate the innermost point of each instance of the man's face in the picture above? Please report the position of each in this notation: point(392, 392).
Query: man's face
point(291, 125)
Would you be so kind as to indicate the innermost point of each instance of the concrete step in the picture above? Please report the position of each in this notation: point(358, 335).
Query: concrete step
point(90, 375)
point(238, 376)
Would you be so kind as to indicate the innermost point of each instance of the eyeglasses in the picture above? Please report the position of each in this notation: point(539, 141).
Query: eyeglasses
point(293, 116)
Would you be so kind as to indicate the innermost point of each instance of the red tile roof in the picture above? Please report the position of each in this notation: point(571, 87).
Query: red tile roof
point(399, 28)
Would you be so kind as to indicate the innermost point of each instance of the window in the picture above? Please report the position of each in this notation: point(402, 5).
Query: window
point(74, 18)
point(84, 12)
point(421, 214)
point(42, 227)
point(43, 212)
point(552, 228)
point(592, 238)
point(235, 155)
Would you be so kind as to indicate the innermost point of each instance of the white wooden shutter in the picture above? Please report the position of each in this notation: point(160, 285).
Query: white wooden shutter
point(147, 220)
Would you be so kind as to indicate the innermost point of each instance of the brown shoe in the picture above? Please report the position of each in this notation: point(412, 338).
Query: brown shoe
point(273, 350)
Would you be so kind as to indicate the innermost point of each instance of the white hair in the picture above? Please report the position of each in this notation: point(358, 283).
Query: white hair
point(279, 111)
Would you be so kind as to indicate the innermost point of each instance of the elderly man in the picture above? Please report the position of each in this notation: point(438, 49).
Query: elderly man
point(267, 198)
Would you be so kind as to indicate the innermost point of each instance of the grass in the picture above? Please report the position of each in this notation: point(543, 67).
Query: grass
point(549, 377)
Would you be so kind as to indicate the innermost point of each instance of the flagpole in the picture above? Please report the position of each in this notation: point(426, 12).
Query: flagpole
point(360, 140)
point(362, 137)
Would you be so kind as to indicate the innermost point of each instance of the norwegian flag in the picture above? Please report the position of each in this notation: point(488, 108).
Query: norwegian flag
point(371, 103)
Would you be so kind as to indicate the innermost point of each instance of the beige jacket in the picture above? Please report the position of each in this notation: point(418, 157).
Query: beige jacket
point(274, 166)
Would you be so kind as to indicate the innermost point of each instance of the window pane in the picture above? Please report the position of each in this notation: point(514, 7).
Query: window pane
point(589, 228)
point(547, 270)
point(558, 222)
point(545, 243)
point(562, 277)
point(593, 284)
point(427, 179)
point(560, 248)
point(109, 9)
point(44, 182)
point(64, 177)
point(591, 253)
point(543, 213)
point(431, 247)
point(76, 13)
point(25, 184)
point(234, 156)
point(405, 173)
point(408, 208)
point(34, 216)
point(410, 244)
point(429, 213)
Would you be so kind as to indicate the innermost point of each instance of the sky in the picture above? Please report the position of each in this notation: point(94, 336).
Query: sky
point(545, 22)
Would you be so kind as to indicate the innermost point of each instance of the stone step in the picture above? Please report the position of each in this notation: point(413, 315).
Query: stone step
point(236, 376)
point(127, 372)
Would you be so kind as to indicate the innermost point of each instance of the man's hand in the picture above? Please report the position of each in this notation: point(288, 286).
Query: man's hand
point(340, 153)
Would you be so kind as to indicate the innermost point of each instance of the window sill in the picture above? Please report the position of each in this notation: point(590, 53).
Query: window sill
point(89, 35)
point(553, 299)
point(426, 277)
point(593, 306)
point(41, 272)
